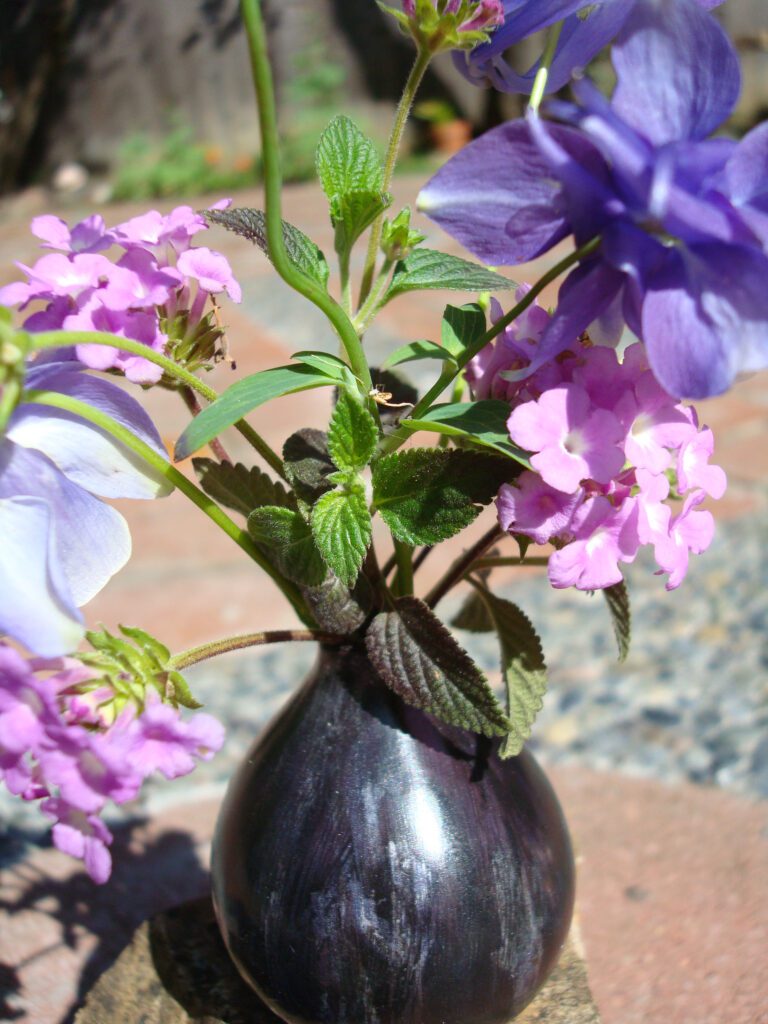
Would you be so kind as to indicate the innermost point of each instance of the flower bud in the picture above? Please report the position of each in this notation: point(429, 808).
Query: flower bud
point(439, 25)
point(398, 238)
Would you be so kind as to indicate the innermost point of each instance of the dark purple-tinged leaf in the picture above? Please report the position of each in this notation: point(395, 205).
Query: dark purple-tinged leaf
point(241, 488)
point(617, 598)
point(286, 539)
point(419, 659)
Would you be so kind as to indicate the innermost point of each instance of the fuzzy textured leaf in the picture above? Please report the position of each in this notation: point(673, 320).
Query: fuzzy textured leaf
point(353, 212)
point(251, 224)
point(308, 464)
point(473, 616)
point(347, 160)
point(427, 268)
point(483, 422)
point(341, 525)
point(286, 539)
point(337, 608)
point(426, 495)
point(352, 434)
point(523, 668)
point(247, 394)
point(617, 598)
point(462, 327)
point(419, 659)
point(241, 488)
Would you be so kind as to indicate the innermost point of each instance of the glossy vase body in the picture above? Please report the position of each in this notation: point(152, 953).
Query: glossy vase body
point(372, 865)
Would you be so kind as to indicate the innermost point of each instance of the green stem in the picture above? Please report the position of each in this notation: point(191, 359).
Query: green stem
point(403, 585)
point(174, 477)
point(59, 339)
point(399, 436)
point(265, 99)
point(184, 659)
point(371, 304)
point(493, 563)
point(542, 75)
point(423, 57)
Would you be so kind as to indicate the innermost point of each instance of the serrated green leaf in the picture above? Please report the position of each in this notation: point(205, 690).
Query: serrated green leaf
point(352, 434)
point(462, 327)
point(159, 653)
point(427, 268)
point(242, 397)
point(241, 488)
point(483, 422)
point(415, 350)
point(617, 598)
point(426, 495)
point(347, 160)
point(523, 668)
point(473, 616)
point(419, 659)
point(251, 224)
point(341, 526)
point(286, 539)
point(308, 465)
point(352, 213)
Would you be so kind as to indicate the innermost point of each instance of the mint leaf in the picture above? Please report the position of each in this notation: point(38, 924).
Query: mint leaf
point(241, 488)
point(426, 495)
point(251, 224)
point(419, 659)
point(352, 213)
point(462, 327)
point(243, 396)
point(341, 525)
point(426, 268)
point(352, 434)
point(483, 422)
point(415, 350)
point(523, 668)
point(617, 597)
point(287, 541)
point(347, 161)
point(307, 464)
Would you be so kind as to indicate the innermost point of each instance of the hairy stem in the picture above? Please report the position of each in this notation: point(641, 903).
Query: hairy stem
point(403, 585)
point(177, 479)
point(420, 65)
point(265, 100)
point(462, 564)
point(59, 339)
point(194, 655)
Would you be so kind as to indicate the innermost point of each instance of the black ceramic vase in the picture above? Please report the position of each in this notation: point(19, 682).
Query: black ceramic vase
point(373, 865)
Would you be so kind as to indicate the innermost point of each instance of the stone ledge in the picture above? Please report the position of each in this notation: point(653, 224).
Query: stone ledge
point(176, 971)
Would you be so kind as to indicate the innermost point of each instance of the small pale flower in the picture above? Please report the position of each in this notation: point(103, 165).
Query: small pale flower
point(533, 508)
point(603, 536)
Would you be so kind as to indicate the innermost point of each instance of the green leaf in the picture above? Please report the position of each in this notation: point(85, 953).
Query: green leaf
point(251, 224)
point(247, 394)
point(426, 495)
point(286, 539)
point(352, 434)
point(241, 488)
point(347, 161)
point(341, 525)
point(331, 365)
point(308, 465)
point(483, 422)
point(523, 668)
point(419, 659)
point(352, 213)
point(426, 268)
point(473, 616)
point(462, 327)
point(415, 350)
point(617, 597)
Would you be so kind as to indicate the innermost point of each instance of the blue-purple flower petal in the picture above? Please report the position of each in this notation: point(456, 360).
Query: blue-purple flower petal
point(678, 72)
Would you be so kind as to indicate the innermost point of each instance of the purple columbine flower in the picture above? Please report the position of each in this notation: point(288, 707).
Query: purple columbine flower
point(60, 542)
point(587, 26)
point(679, 261)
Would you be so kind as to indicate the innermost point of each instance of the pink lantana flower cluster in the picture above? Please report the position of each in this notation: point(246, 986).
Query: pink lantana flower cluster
point(69, 744)
point(618, 463)
point(155, 291)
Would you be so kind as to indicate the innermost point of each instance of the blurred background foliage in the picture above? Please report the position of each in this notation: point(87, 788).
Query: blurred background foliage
point(144, 99)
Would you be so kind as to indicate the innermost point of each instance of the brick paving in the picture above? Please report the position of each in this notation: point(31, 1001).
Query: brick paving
point(672, 878)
